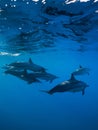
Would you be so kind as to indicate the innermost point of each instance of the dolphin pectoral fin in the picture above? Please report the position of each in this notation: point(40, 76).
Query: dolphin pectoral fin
point(25, 72)
point(51, 81)
point(38, 81)
point(46, 92)
point(83, 91)
point(29, 82)
point(80, 66)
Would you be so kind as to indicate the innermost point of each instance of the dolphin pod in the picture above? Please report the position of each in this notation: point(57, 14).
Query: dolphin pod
point(20, 70)
point(38, 73)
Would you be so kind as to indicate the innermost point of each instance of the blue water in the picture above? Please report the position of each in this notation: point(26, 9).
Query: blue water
point(24, 107)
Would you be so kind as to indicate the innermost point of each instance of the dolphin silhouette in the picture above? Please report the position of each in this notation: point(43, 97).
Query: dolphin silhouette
point(71, 85)
point(42, 75)
point(18, 66)
point(81, 71)
point(23, 75)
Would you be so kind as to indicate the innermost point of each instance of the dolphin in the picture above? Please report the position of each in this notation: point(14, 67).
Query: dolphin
point(23, 75)
point(18, 66)
point(81, 71)
point(71, 85)
point(43, 76)
point(46, 76)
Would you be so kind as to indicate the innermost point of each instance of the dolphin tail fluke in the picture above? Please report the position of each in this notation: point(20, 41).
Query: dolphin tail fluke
point(45, 91)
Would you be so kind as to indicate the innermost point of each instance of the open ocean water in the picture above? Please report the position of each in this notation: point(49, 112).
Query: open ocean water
point(24, 106)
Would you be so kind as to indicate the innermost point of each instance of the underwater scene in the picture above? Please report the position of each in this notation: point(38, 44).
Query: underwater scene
point(48, 64)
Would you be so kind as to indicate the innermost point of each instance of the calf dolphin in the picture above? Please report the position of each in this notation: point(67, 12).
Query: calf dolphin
point(23, 75)
point(18, 66)
point(81, 71)
point(43, 76)
point(71, 85)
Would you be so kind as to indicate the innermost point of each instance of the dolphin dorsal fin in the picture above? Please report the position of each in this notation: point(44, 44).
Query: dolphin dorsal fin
point(30, 61)
point(72, 77)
